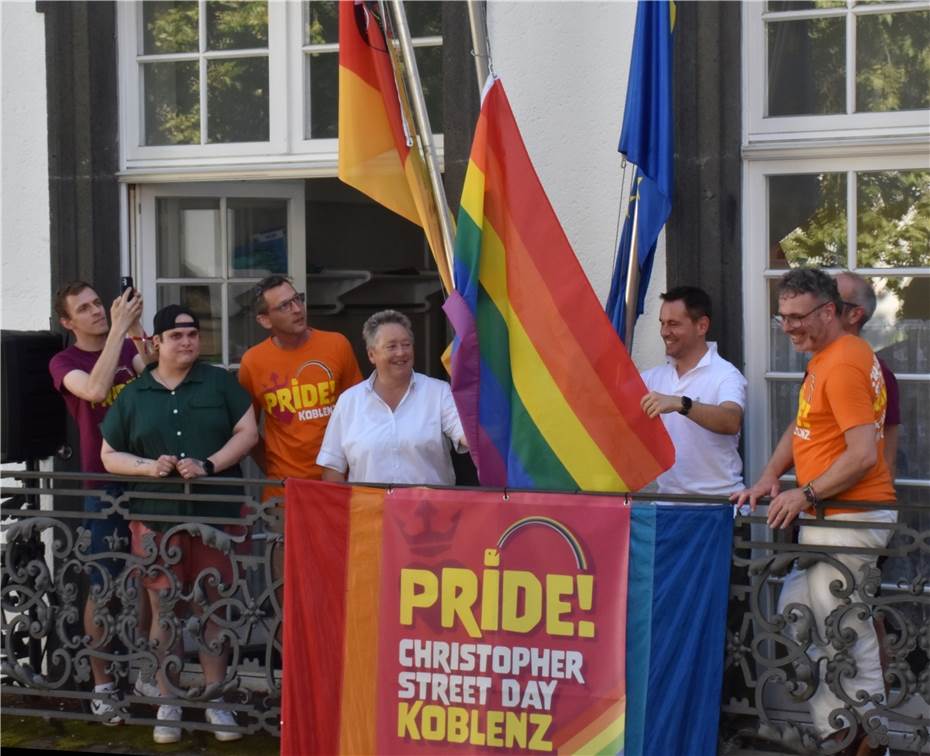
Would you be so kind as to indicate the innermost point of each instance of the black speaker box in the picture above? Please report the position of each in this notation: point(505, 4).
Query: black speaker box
point(34, 423)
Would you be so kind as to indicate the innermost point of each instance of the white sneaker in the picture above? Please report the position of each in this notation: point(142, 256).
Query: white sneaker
point(223, 718)
point(165, 733)
point(103, 710)
point(147, 689)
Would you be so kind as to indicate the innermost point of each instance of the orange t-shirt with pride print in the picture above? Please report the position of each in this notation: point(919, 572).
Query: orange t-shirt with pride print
point(297, 389)
point(843, 388)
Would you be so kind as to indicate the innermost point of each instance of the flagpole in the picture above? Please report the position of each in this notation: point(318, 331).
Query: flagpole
point(478, 24)
point(421, 118)
point(631, 295)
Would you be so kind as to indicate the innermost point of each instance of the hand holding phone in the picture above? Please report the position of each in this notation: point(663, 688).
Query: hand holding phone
point(126, 283)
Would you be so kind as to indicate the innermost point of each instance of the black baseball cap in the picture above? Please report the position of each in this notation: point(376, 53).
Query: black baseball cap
point(166, 319)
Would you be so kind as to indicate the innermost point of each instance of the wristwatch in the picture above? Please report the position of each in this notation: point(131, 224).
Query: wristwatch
point(811, 495)
point(685, 405)
point(208, 467)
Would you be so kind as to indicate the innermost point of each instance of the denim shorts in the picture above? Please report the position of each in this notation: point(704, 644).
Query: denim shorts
point(101, 537)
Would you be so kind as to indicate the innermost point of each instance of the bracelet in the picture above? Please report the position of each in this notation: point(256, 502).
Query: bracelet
point(141, 338)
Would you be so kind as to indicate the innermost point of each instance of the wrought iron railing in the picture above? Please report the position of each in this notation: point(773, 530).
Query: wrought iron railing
point(47, 571)
point(773, 663)
point(777, 660)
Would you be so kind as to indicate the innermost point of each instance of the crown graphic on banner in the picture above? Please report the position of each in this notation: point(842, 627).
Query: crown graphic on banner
point(429, 539)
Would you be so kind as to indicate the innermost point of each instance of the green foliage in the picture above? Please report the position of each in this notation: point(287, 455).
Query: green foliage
point(237, 89)
point(178, 126)
point(170, 26)
point(893, 62)
point(322, 23)
point(820, 239)
point(236, 25)
point(893, 219)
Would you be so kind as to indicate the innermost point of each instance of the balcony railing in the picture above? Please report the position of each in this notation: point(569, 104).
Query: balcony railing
point(777, 661)
point(773, 663)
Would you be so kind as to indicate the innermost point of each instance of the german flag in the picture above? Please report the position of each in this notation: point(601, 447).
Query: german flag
point(377, 155)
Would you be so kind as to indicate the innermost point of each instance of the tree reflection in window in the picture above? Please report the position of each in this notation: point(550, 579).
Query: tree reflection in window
point(237, 89)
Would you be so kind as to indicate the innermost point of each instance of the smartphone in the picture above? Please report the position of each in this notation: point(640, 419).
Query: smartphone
point(126, 283)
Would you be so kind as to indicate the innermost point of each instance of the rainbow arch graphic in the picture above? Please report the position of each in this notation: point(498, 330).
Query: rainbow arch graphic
point(547, 522)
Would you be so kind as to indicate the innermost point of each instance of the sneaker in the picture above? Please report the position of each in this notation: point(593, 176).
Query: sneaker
point(147, 689)
point(104, 710)
point(223, 718)
point(165, 733)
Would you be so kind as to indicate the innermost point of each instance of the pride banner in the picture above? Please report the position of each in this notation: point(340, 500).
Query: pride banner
point(452, 621)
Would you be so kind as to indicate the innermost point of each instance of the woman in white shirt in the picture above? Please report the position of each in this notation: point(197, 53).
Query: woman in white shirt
point(398, 426)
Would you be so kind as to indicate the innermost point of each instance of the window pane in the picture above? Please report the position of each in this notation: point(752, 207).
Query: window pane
point(899, 331)
point(807, 67)
point(783, 404)
point(188, 237)
point(892, 64)
point(893, 219)
point(236, 25)
point(424, 18)
point(321, 23)
point(913, 458)
point(429, 64)
point(204, 300)
point(321, 110)
point(807, 220)
point(237, 100)
point(172, 103)
point(169, 27)
point(257, 233)
point(244, 330)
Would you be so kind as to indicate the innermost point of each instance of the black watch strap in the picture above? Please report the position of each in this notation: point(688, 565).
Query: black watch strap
point(208, 467)
point(685, 405)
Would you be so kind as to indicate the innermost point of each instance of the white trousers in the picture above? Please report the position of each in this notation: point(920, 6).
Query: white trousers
point(811, 587)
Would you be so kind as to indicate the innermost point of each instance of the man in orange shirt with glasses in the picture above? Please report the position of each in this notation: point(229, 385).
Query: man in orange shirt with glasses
point(835, 445)
point(294, 378)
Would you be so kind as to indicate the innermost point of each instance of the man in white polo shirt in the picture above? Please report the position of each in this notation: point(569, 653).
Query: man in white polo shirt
point(700, 397)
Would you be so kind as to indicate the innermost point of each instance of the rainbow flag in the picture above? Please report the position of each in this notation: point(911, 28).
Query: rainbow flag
point(425, 621)
point(377, 155)
point(548, 395)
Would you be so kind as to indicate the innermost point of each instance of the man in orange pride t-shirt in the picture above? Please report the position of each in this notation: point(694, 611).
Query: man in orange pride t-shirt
point(835, 445)
point(294, 378)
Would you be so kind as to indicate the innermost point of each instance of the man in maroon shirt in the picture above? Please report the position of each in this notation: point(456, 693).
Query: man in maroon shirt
point(90, 374)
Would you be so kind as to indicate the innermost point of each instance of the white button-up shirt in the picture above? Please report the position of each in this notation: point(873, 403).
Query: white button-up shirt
point(706, 463)
point(407, 445)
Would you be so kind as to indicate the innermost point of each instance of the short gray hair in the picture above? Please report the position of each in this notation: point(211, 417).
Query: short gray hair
point(370, 329)
point(810, 281)
point(863, 294)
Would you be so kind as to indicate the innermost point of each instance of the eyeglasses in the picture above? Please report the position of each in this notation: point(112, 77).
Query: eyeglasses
point(793, 321)
point(298, 299)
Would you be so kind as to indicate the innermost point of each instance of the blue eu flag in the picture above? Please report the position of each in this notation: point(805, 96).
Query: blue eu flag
point(647, 141)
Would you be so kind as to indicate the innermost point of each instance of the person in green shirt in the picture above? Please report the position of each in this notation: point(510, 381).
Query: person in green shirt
point(181, 419)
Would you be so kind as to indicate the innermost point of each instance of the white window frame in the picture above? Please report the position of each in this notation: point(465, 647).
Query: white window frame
point(285, 153)
point(145, 252)
point(132, 103)
point(757, 274)
point(850, 126)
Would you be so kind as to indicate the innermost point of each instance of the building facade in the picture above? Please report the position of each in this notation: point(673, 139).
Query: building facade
point(193, 146)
